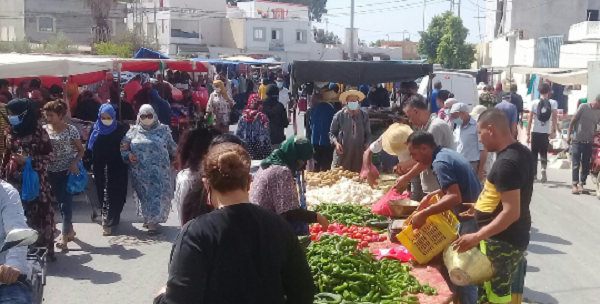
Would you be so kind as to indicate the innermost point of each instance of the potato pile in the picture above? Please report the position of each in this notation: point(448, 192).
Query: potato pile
point(329, 178)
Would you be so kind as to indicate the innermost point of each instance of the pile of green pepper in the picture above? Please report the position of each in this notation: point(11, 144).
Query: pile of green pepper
point(346, 275)
point(348, 214)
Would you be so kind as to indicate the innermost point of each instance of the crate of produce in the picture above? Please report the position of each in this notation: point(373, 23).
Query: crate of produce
point(431, 239)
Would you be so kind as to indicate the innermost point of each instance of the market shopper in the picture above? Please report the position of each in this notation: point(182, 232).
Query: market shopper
point(517, 100)
point(542, 125)
point(466, 138)
point(65, 140)
point(87, 107)
point(502, 209)
point(13, 262)
point(27, 139)
point(459, 188)
point(161, 108)
point(486, 98)
point(437, 87)
point(253, 128)
point(132, 87)
point(110, 172)
point(421, 177)
point(442, 96)
point(239, 253)
point(511, 111)
point(350, 132)
point(124, 110)
point(219, 105)
point(275, 186)
point(378, 96)
point(586, 119)
point(193, 146)
point(285, 96)
point(393, 142)
point(320, 118)
point(148, 147)
point(277, 115)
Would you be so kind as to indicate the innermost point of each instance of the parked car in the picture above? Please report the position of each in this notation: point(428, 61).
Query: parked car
point(462, 85)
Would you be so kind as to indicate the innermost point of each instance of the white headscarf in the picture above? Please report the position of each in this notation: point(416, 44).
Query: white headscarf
point(147, 109)
point(450, 102)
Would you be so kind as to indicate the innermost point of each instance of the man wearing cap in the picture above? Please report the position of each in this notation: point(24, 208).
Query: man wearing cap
point(320, 118)
point(350, 132)
point(467, 138)
point(511, 111)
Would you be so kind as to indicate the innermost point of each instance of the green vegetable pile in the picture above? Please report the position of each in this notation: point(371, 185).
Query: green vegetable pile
point(346, 275)
point(348, 214)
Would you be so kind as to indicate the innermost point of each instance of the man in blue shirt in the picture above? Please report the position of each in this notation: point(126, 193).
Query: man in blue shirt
point(320, 119)
point(459, 188)
point(511, 112)
point(433, 98)
point(466, 138)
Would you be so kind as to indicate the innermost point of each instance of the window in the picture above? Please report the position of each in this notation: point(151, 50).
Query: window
point(259, 34)
point(45, 24)
point(112, 26)
point(185, 28)
point(300, 36)
point(592, 15)
point(277, 34)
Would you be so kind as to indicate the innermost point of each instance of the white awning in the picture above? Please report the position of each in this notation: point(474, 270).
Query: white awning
point(573, 78)
point(18, 65)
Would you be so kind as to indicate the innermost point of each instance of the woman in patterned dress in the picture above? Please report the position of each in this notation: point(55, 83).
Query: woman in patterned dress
point(253, 128)
point(219, 105)
point(148, 147)
point(26, 138)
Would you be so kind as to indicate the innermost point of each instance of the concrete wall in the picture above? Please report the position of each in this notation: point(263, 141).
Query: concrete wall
point(525, 52)
point(205, 5)
point(541, 18)
point(287, 10)
point(211, 31)
point(71, 17)
point(12, 23)
point(579, 54)
point(232, 33)
point(289, 28)
point(501, 52)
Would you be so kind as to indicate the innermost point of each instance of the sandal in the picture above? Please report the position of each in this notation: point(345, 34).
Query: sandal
point(106, 230)
point(62, 246)
point(152, 229)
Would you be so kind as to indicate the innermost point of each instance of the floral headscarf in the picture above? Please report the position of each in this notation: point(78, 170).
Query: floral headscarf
point(254, 110)
point(147, 109)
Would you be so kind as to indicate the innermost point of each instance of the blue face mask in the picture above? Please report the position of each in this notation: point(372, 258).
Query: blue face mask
point(14, 120)
point(447, 112)
point(280, 85)
point(353, 105)
point(458, 121)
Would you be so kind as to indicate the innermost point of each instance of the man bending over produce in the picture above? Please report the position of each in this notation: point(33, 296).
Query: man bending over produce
point(458, 185)
point(502, 210)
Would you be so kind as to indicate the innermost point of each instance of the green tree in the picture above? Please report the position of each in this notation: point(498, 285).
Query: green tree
point(113, 49)
point(327, 38)
point(375, 43)
point(58, 44)
point(100, 10)
point(444, 42)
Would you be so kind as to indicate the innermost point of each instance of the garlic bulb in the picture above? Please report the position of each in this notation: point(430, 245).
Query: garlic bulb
point(344, 191)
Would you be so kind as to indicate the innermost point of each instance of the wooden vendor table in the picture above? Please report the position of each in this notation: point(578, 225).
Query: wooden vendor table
point(425, 274)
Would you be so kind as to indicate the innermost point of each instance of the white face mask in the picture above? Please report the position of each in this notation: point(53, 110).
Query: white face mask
point(107, 122)
point(147, 121)
point(217, 90)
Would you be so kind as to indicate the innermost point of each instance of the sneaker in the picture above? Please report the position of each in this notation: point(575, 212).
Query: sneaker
point(544, 178)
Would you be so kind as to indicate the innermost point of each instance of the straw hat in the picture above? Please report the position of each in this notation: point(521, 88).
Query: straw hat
point(329, 96)
point(344, 96)
point(394, 138)
point(477, 110)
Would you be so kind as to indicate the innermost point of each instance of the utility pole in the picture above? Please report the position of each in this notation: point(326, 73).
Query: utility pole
point(352, 30)
point(388, 35)
point(424, 6)
point(156, 28)
point(458, 8)
point(326, 25)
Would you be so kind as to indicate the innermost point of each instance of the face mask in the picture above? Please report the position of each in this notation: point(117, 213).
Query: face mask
point(218, 90)
point(353, 105)
point(280, 85)
point(255, 76)
point(107, 122)
point(447, 112)
point(14, 120)
point(458, 121)
point(147, 121)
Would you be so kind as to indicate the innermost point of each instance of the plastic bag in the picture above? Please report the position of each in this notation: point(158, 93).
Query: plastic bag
point(363, 171)
point(31, 182)
point(77, 182)
point(382, 208)
point(398, 253)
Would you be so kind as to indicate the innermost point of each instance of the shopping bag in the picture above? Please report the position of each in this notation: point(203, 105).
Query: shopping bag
point(31, 182)
point(364, 172)
point(77, 182)
point(382, 207)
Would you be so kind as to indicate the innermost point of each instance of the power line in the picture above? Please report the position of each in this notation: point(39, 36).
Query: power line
point(395, 8)
point(511, 10)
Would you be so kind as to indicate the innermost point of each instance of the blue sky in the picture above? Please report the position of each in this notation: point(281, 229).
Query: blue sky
point(376, 19)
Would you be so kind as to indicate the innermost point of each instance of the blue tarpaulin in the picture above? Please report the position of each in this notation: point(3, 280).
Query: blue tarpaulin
point(149, 54)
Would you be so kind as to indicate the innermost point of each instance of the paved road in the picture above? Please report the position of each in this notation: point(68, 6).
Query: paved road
point(131, 267)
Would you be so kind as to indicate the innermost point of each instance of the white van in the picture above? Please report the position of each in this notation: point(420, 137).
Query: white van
point(462, 85)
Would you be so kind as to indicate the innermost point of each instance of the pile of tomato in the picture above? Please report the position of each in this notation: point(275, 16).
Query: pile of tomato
point(364, 235)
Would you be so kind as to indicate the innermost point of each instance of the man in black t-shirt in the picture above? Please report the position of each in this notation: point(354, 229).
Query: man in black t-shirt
point(502, 210)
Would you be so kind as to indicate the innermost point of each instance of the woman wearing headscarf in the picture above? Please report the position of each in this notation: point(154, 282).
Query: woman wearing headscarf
point(275, 185)
point(110, 171)
point(498, 92)
point(123, 109)
point(161, 108)
point(27, 139)
point(219, 105)
point(148, 147)
point(87, 107)
point(72, 95)
point(253, 128)
point(277, 115)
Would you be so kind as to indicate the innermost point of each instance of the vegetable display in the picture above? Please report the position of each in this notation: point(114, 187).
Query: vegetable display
point(346, 275)
point(364, 235)
point(348, 214)
point(330, 177)
point(344, 191)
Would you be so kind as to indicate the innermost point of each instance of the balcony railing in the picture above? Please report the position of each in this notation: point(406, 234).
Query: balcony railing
point(588, 30)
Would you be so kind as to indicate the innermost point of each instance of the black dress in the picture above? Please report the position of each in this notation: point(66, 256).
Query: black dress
point(110, 174)
point(238, 254)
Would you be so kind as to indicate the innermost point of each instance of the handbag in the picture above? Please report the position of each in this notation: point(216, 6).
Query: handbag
point(77, 182)
point(31, 182)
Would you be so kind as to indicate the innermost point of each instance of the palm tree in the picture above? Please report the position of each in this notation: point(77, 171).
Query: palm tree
point(100, 11)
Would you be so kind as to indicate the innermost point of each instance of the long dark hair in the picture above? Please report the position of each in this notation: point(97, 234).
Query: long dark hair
point(195, 202)
point(194, 144)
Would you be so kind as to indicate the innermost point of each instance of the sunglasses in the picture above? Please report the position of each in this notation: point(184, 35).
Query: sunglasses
point(148, 116)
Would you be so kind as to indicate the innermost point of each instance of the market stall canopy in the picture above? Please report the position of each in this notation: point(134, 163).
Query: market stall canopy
point(147, 53)
point(18, 65)
point(357, 72)
point(573, 78)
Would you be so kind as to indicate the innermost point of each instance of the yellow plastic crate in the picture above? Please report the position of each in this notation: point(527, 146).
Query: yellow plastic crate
point(437, 233)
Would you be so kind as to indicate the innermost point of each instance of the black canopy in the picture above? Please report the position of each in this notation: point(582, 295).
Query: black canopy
point(357, 72)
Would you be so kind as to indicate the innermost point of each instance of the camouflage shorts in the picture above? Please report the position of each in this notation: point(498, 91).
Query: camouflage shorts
point(505, 259)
